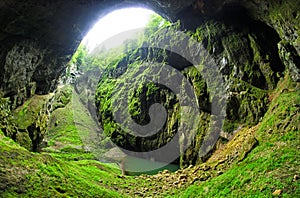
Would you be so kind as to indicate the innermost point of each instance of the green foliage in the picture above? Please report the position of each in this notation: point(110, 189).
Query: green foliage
point(80, 57)
point(102, 58)
point(155, 23)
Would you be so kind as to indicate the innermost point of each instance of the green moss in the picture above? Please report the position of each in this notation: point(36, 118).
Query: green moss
point(62, 129)
point(72, 133)
point(28, 113)
point(133, 87)
point(62, 97)
point(6, 118)
point(229, 126)
point(22, 112)
point(284, 14)
point(31, 119)
point(24, 140)
point(38, 175)
point(272, 164)
point(247, 104)
point(263, 63)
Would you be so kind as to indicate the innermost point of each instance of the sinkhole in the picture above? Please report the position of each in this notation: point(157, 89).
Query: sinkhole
point(109, 47)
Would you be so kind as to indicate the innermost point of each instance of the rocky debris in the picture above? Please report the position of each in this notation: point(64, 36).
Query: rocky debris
point(296, 177)
point(165, 180)
point(277, 192)
point(238, 148)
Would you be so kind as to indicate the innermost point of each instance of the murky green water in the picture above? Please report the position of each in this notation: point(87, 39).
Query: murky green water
point(138, 166)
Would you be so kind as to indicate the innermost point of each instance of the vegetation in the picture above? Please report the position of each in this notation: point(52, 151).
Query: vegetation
point(237, 170)
point(259, 160)
point(40, 175)
point(272, 165)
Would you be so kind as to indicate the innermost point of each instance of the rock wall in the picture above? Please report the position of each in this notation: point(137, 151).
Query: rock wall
point(27, 124)
point(249, 64)
point(27, 69)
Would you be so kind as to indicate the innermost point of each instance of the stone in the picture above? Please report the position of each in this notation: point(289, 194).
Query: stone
point(176, 183)
point(181, 177)
point(277, 192)
point(219, 173)
point(194, 180)
point(296, 177)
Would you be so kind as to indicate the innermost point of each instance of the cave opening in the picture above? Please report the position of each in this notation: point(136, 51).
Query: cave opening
point(116, 22)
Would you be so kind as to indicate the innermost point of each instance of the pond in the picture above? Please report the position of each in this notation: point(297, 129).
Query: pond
point(136, 166)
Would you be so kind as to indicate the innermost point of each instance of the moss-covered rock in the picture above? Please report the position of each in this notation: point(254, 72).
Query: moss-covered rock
point(249, 69)
point(283, 17)
point(7, 121)
point(28, 124)
point(72, 132)
point(31, 119)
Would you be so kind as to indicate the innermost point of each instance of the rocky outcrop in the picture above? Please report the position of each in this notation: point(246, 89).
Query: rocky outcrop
point(27, 69)
point(28, 123)
point(250, 66)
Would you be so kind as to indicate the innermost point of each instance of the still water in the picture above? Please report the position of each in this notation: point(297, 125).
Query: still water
point(138, 166)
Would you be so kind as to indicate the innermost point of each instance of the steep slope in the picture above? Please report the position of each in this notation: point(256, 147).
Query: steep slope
point(222, 70)
point(258, 161)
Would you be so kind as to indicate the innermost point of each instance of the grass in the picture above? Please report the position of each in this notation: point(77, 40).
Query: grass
point(257, 172)
point(271, 165)
point(27, 174)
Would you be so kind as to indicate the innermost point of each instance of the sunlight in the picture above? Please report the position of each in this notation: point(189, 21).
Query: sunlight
point(116, 22)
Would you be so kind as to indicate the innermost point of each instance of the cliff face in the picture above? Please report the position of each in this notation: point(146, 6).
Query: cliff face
point(248, 68)
point(247, 52)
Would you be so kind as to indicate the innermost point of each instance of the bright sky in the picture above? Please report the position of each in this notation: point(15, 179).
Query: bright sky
point(116, 22)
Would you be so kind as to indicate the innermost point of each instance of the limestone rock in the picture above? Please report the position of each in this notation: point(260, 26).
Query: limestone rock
point(277, 192)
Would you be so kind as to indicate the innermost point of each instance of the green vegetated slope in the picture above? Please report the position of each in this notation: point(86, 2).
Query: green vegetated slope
point(72, 132)
point(237, 170)
point(57, 173)
point(259, 159)
point(65, 167)
point(28, 174)
point(272, 165)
